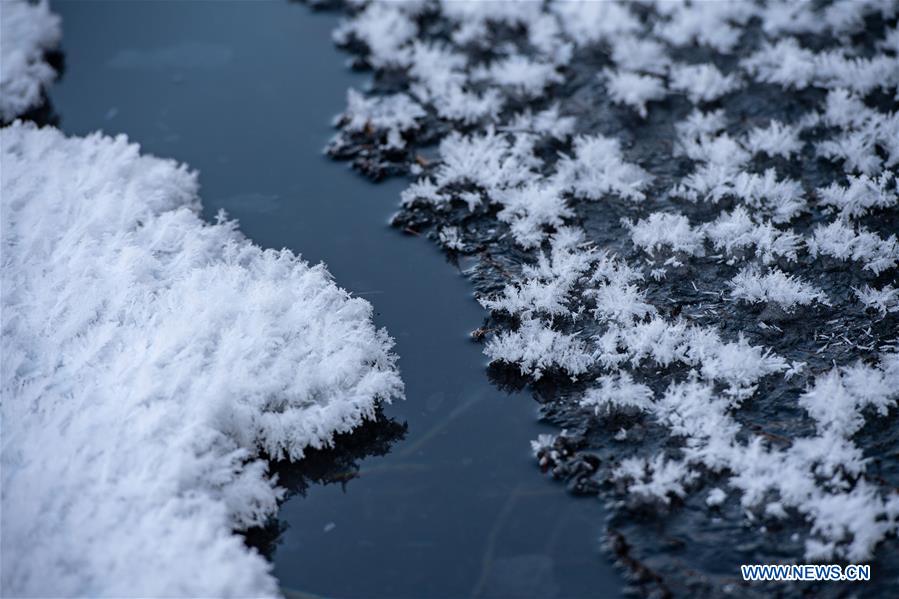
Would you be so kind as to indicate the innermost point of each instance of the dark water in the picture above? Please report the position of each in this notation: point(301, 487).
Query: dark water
point(244, 92)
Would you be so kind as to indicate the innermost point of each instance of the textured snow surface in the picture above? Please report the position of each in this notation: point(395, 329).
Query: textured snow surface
point(27, 31)
point(691, 253)
point(149, 359)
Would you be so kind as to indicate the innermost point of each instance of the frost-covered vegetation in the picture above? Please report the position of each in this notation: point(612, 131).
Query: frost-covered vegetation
point(692, 212)
point(27, 32)
point(150, 363)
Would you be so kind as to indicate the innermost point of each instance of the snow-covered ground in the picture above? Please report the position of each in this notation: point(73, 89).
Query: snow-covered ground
point(27, 31)
point(665, 189)
point(149, 360)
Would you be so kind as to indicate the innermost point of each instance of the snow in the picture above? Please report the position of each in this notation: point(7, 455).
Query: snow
point(702, 82)
point(521, 75)
point(663, 229)
point(774, 286)
point(617, 393)
point(451, 239)
point(699, 124)
point(492, 161)
point(861, 195)
point(784, 63)
point(151, 362)
point(537, 348)
point(721, 160)
point(637, 54)
point(735, 230)
point(776, 139)
point(548, 283)
point(27, 32)
point(587, 22)
point(848, 524)
point(634, 89)
point(618, 300)
point(370, 26)
point(530, 209)
point(546, 122)
point(439, 80)
point(715, 497)
point(598, 168)
point(657, 478)
point(844, 242)
point(388, 116)
point(706, 23)
point(737, 363)
point(868, 139)
point(884, 300)
point(782, 199)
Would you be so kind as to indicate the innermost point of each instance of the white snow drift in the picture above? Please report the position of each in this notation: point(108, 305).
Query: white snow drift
point(148, 360)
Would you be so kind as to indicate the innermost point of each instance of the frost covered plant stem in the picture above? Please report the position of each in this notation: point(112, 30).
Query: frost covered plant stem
point(149, 360)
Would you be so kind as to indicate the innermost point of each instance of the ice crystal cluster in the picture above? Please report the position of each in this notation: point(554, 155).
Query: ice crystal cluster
point(150, 361)
point(27, 31)
point(685, 215)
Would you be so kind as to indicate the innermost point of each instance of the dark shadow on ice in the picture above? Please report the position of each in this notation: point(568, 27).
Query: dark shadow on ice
point(338, 464)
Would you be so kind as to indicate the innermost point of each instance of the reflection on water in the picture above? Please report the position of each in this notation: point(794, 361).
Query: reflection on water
point(456, 507)
point(333, 465)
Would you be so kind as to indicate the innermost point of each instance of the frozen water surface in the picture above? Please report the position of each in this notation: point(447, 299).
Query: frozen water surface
point(244, 93)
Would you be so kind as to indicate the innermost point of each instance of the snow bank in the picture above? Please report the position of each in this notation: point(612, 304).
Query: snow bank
point(149, 360)
point(27, 31)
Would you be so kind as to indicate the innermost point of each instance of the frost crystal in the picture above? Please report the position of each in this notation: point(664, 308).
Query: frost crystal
point(535, 347)
point(883, 300)
point(149, 361)
point(758, 145)
point(846, 243)
point(775, 286)
point(666, 230)
point(862, 194)
point(27, 31)
point(702, 82)
point(634, 90)
point(776, 139)
point(617, 392)
point(597, 168)
point(715, 497)
point(394, 115)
